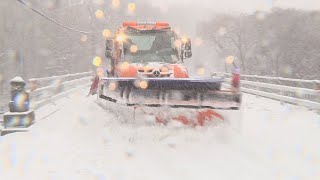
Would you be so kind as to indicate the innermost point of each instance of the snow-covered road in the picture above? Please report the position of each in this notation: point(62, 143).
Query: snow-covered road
point(77, 139)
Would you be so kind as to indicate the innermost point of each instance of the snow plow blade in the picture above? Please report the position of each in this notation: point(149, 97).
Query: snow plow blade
point(192, 93)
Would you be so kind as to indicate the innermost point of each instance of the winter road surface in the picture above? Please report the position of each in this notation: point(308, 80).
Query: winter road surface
point(77, 139)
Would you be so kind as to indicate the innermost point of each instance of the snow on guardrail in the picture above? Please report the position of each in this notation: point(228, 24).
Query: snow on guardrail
point(44, 91)
point(295, 91)
point(47, 81)
point(310, 84)
point(47, 90)
point(49, 94)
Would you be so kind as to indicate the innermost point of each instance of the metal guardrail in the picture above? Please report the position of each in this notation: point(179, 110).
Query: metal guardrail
point(310, 84)
point(295, 91)
point(301, 92)
point(46, 90)
point(47, 81)
point(49, 94)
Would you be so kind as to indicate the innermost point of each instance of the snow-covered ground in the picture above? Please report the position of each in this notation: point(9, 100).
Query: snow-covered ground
point(77, 139)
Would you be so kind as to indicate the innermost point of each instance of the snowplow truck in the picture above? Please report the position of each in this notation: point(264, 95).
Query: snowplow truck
point(146, 70)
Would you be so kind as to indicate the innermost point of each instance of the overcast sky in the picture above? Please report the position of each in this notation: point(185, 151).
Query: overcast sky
point(184, 14)
point(243, 5)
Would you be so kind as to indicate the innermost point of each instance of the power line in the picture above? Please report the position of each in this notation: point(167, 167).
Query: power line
point(50, 19)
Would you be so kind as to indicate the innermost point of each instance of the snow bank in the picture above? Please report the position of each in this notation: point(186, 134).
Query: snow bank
point(77, 139)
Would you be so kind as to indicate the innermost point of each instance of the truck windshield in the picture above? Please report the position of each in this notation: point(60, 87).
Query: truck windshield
point(150, 47)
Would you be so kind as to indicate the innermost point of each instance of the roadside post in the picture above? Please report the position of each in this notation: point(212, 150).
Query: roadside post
point(20, 116)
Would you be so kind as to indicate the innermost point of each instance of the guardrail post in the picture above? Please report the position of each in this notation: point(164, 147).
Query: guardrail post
point(19, 115)
point(317, 87)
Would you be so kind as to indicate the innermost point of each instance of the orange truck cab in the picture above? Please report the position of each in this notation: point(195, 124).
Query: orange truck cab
point(149, 50)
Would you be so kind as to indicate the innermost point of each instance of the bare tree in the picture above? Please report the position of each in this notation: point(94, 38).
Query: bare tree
point(279, 43)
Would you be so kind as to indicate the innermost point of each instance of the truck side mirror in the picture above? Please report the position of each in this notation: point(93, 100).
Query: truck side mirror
point(186, 48)
point(109, 48)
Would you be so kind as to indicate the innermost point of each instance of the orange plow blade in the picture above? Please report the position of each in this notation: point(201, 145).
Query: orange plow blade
point(193, 118)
